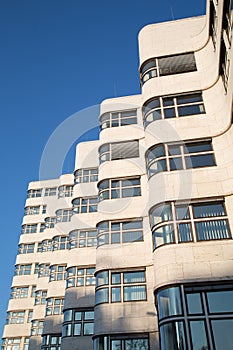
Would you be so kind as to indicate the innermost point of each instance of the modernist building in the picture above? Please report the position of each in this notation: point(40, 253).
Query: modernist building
point(134, 250)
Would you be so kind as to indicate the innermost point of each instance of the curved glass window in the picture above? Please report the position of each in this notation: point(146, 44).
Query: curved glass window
point(119, 188)
point(115, 119)
point(57, 273)
point(166, 107)
point(65, 191)
point(170, 157)
point(85, 205)
point(34, 193)
point(45, 246)
point(29, 228)
point(185, 222)
point(117, 287)
point(199, 315)
point(43, 270)
point(86, 175)
point(118, 150)
point(48, 223)
point(113, 232)
point(80, 276)
point(25, 248)
point(167, 65)
point(82, 239)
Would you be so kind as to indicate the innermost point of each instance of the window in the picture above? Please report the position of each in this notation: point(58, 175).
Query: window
point(33, 291)
point(112, 232)
point(209, 320)
point(63, 215)
point(49, 223)
point(60, 243)
point(22, 269)
point(118, 150)
point(84, 205)
point(82, 239)
point(227, 21)
point(65, 191)
point(19, 292)
point(224, 64)
point(168, 65)
point(45, 246)
point(186, 222)
point(115, 119)
point(51, 342)
point(50, 191)
point(25, 248)
point(40, 297)
point(169, 157)
point(43, 270)
point(123, 342)
point(213, 24)
point(37, 327)
point(15, 317)
point(33, 210)
point(26, 343)
point(34, 193)
point(86, 175)
point(80, 276)
point(54, 306)
point(174, 106)
point(119, 188)
point(30, 314)
point(29, 228)
point(78, 322)
point(116, 287)
point(11, 343)
point(57, 273)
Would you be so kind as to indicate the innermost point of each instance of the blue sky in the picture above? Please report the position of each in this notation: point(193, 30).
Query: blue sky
point(57, 58)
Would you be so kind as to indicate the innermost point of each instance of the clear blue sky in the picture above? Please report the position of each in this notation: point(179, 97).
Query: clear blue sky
point(58, 57)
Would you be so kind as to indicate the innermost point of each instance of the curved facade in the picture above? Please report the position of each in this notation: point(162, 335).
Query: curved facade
point(134, 249)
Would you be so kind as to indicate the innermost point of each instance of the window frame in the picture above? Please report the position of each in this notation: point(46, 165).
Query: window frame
point(80, 203)
point(69, 325)
point(83, 174)
point(117, 118)
point(80, 276)
point(108, 188)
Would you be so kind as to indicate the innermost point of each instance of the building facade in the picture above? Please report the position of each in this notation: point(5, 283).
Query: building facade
point(134, 250)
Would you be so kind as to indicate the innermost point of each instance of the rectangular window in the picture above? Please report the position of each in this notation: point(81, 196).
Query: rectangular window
point(85, 205)
point(29, 228)
point(15, 317)
point(26, 248)
point(86, 175)
point(121, 287)
point(34, 193)
point(50, 191)
point(118, 150)
point(19, 292)
point(54, 306)
point(80, 276)
point(119, 188)
point(116, 119)
point(23, 269)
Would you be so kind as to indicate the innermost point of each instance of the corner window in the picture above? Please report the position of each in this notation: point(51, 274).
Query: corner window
point(23, 269)
point(78, 322)
point(186, 222)
point(119, 188)
point(86, 175)
point(25, 248)
point(175, 106)
point(80, 276)
point(168, 65)
point(19, 292)
point(115, 119)
point(170, 157)
point(34, 193)
point(201, 314)
point(29, 228)
point(118, 150)
point(42, 270)
point(116, 287)
point(119, 232)
point(45, 246)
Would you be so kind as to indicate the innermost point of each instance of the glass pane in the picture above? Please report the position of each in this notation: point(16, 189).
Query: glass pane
point(184, 232)
point(169, 113)
point(169, 302)
point(216, 229)
point(136, 344)
point(77, 329)
point(199, 161)
point(220, 302)
point(208, 210)
point(101, 296)
point(131, 192)
point(198, 147)
point(132, 236)
point(134, 293)
point(116, 278)
point(189, 98)
point(190, 110)
point(168, 101)
point(115, 238)
point(156, 167)
point(172, 336)
point(163, 235)
point(131, 277)
point(182, 212)
point(161, 213)
point(198, 335)
point(102, 278)
point(194, 303)
point(115, 345)
point(67, 315)
point(116, 294)
point(176, 163)
point(89, 315)
point(77, 316)
point(131, 225)
point(223, 335)
point(88, 329)
point(155, 152)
